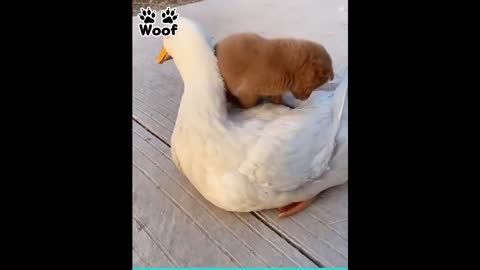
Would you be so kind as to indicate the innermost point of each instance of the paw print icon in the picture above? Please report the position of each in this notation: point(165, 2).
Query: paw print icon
point(147, 16)
point(169, 15)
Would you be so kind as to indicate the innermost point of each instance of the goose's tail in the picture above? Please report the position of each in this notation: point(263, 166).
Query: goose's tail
point(335, 103)
point(340, 96)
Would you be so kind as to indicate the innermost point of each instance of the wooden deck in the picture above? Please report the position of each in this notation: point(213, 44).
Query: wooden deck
point(173, 226)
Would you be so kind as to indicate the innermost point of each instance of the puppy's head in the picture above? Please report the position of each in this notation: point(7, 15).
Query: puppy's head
point(315, 71)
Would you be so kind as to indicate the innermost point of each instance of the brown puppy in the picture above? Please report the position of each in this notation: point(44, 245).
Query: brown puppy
point(254, 67)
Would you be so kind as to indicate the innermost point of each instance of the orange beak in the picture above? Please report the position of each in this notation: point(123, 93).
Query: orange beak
point(163, 57)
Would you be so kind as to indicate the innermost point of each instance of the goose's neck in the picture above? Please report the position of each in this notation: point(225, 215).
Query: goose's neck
point(204, 94)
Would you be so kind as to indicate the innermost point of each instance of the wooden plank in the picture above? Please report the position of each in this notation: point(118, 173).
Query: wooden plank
point(158, 103)
point(313, 235)
point(159, 115)
point(321, 230)
point(136, 260)
point(274, 242)
point(146, 250)
point(341, 226)
point(239, 239)
point(148, 120)
point(163, 96)
point(172, 228)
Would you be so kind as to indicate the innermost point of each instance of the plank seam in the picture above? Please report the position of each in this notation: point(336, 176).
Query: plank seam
point(282, 235)
point(150, 131)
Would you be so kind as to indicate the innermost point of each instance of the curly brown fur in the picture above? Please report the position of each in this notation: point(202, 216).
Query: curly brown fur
point(254, 67)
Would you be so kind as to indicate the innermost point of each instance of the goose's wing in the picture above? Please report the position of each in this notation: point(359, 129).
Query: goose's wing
point(295, 149)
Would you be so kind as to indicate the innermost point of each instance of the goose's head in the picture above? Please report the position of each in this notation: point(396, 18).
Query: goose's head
point(189, 42)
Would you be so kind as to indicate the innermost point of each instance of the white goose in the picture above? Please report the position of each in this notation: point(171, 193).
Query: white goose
point(266, 157)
